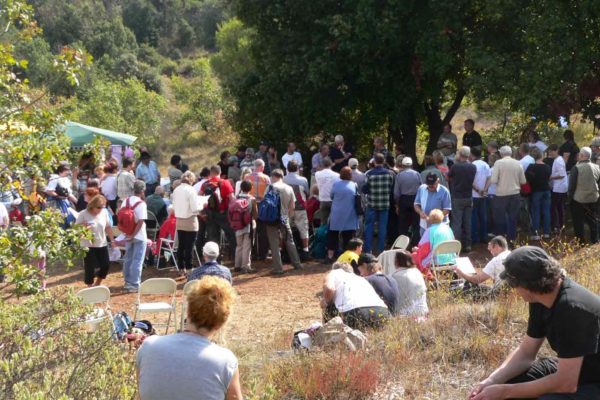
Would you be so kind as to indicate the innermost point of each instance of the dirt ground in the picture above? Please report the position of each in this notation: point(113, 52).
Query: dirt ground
point(269, 308)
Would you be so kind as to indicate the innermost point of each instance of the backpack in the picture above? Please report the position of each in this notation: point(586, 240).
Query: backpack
point(269, 209)
point(126, 218)
point(123, 324)
point(239, 215)
point(318, 247)
point(214, 195)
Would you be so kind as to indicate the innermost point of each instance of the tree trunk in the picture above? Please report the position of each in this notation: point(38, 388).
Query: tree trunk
point(405, 133)
point(434, 118)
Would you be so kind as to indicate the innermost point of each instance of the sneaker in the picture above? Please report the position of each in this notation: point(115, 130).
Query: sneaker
point(246, 270)
point(534, 237)
point(299, 267)
point(130, 289)
point(278, 272)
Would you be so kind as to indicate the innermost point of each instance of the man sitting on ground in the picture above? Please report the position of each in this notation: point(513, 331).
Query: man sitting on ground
point(352, 253)
point(564, 313)
point(386, 287)
point(210, 253)
point(498, 247)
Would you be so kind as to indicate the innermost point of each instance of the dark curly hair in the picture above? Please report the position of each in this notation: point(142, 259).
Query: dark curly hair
point(549, 276)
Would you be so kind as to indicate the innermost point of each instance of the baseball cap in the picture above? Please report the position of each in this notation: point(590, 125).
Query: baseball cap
point(211, 249)
point(353, 162)
point(431, 178)
point(407, 161)
point(525, 263)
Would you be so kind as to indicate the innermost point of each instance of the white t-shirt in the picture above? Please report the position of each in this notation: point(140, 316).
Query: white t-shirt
point(198, 185)
point(325, 180)
point(559, 169)
point(64, 181)
point(108, 186)
point(495, 266)
point(413, 292)
point(3, 215)
point(141, 212)
point(483, 173)
point(97, 224)
point(353, 291)
point(540, 145)
point(526, 162)
point(285, 159)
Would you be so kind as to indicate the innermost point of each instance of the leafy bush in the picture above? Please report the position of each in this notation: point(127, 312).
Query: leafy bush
point(47, 354)
point(515, 131)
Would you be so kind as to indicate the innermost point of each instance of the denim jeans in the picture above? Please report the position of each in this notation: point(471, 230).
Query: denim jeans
point(540, 207)
point(135, 250)
point(461, 220)
point(380, 217)
point(506, 213)
point(479, 228)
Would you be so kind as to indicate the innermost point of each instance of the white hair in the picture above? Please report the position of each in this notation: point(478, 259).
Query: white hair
point(258, 163)
point(586, 152)
point(465, 152)
point(338, 138)
point(505, 151)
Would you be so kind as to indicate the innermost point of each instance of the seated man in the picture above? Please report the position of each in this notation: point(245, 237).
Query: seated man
point(353, 298)
point(499, 249)
point(210, 253)
point(564, 313)
point(385, 286)
point(350, 256)
point(156, 205)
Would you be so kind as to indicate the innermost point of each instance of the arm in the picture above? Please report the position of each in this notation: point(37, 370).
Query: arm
point(234, 391)
point(328, 289)
point(573, 181)
point(110, 234)
point(522, 179)
point(138, 226)
point(476, 278)
point(494, 178)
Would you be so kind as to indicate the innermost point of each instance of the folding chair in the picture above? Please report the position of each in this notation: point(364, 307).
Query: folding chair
point(401, 242)
point(96, 295)
point(388, 260)
point(186, 290)
point(156, 286)
point(152, 226)
point(448, 247)
point(170, 246)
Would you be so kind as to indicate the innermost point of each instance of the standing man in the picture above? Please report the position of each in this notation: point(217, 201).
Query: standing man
point(125, 179)
point(291, 154)
point(325, 178)
point(432, 195)
point(461, 177)
point(220, 194)
point(559, 182)
point(508, 176)
point(263, 154)
point(148, 172)
point(379, 184)
point(448, 142)
point(480, 207)
point(379, 147)
point(318, 157)
point(299, 218)
point(408, 182)
point(248, 161)
point(525, 158)
point(471, 138)
point(340, 153)
point(135, 247)
point(569, 150)
point(282, 229)
point(595, 145)
point(560, 311)
point(584, 182)
point(260, 182)
point(358, 176)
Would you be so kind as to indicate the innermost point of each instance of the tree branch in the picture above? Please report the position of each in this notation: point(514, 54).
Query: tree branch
point(458, 98)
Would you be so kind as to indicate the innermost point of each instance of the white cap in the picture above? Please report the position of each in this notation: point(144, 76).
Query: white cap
point(407, 161)
point(353, 162)
point(211, 249)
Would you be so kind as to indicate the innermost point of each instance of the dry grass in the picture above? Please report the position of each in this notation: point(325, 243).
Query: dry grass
point(441, 358)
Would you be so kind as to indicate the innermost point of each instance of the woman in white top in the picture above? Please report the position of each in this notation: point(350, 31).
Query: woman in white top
point(187, 365)
point(245, 172)
point(97, 221)
point(353, 298)
point(108, 185)
point(411, 285)
point(60, 195)
point(534, 141)
point(185, 205)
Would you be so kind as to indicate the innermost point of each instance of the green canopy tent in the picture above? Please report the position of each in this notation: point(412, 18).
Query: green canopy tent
point(83, 134)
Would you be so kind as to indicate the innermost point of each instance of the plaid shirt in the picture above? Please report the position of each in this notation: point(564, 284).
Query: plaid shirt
point(211, 268)
point(379, 184)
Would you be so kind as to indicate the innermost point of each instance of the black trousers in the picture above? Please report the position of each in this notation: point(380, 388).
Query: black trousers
point(408, 219)
point(547, 366)
point(95, 259)
point(585, 213)
point(333, 239)
point(216, 222)
point(185, 248)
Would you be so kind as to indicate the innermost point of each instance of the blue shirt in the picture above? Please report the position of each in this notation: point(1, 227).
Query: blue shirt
point(439, 199)
point(211, 268)
point(407, 183)
point(148, 173)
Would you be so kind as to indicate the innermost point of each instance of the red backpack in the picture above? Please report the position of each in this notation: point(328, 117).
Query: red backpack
point(238, 214)
point(126, 218)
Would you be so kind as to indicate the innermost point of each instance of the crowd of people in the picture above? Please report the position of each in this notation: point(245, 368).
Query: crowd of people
point(255, 205)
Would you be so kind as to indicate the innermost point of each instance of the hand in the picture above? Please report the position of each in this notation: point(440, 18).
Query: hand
point(480, 386)
point(423, 215)
point(491, 392)
point(113, 244)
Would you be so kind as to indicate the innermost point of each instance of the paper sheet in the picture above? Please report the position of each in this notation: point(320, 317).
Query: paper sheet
point(465, 265)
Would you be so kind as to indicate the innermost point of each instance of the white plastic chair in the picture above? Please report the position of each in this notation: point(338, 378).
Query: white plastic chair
point(446, 247)
point(401, 242)
point(387, 259)
point(95, 296)
point(186, 290)
point(170, 246)
point(157, 286)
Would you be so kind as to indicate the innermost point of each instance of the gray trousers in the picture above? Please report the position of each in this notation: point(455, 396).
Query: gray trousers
point(325, 210)
point(462, 210)
point(274, 234)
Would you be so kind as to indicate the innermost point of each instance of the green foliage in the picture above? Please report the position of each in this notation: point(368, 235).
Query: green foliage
point(124, 106)
point(47, 354)
point(517, 128)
